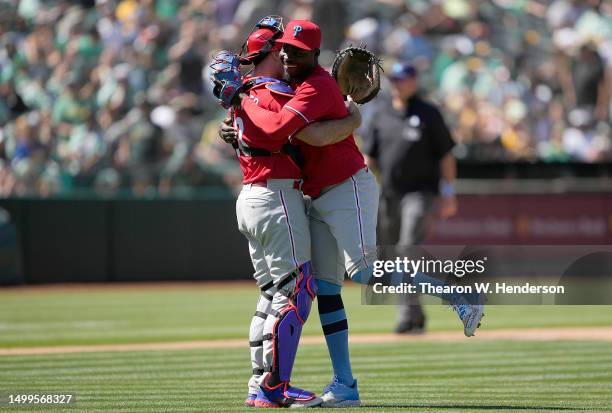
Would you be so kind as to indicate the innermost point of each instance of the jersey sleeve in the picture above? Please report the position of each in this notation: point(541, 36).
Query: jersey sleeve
point(275, 103)
point(254, 135)
point(278, 126)
point(305, 107)
point(312, 101)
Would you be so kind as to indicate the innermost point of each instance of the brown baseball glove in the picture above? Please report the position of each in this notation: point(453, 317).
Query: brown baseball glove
point(357, 71)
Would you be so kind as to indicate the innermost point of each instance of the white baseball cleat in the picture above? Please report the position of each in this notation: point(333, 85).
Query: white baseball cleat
point(338, 395)
point(469, 314)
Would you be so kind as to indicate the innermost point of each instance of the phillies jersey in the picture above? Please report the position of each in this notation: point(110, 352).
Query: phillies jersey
point(259, 155)
point(317, 98)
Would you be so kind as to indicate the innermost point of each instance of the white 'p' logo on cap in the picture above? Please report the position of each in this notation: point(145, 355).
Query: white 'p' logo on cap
point(296, 30)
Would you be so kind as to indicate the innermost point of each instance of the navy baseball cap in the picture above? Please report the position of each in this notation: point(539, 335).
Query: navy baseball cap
point(401, 71)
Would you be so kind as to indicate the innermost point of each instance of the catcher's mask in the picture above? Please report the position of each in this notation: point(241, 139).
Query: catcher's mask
point(262, 40)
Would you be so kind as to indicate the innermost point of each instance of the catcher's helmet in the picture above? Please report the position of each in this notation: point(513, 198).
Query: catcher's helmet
point(262, 39)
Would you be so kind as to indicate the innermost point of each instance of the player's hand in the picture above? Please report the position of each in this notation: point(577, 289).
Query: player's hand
point(237, 101)
point(448, 206)
point(227, 132)
point(354, 113)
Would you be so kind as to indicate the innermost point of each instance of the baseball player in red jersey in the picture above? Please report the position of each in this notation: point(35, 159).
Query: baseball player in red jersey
point(344, 199)
point(271, 215)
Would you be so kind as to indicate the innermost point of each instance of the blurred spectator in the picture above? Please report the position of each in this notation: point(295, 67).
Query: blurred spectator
point(588, 87)
point(80, 81)
point(113, 94)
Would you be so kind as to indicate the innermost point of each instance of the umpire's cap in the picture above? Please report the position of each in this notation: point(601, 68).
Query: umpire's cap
point(402, 70)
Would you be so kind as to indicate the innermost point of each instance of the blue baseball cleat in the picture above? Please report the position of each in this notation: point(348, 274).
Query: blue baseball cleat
point(285, 395)
point(469, 314)
point(250, 400)
point(338, 394)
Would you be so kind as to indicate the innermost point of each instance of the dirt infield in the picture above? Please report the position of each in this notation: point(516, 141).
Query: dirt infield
point(550, 334)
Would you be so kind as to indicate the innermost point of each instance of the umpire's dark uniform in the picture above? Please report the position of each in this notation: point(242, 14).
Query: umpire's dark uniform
point(407, 146)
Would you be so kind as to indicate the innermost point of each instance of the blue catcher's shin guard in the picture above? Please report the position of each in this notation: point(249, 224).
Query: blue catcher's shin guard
point(287, 324)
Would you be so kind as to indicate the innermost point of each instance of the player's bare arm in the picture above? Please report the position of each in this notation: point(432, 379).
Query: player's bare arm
point(331, 131)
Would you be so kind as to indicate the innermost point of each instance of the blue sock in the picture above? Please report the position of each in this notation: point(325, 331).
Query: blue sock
point(421, 278)
point(335, 329)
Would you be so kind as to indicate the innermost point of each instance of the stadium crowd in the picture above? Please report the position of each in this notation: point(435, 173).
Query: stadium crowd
point(113, 94)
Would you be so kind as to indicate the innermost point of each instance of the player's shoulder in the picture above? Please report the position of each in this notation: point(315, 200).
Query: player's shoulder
point(270, 91)
point(319, 78)
point(270, 84)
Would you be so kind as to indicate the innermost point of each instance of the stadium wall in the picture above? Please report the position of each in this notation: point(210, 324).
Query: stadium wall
point(125, 240)
point(105, 240)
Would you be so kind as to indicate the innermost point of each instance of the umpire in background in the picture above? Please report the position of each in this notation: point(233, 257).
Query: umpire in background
point(410, 145)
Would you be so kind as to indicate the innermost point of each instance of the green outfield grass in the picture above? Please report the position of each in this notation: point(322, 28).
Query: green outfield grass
point(413, 377)
point(196, 312)
point(462, 376)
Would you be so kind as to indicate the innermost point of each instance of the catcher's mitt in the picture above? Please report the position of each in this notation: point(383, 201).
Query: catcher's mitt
point(226, 77)
point(357, 71)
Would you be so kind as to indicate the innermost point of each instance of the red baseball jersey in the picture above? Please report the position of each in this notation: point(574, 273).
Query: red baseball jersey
point(251, 138)
point(317, 98)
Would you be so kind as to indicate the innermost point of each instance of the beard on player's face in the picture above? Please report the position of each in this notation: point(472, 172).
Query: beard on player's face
point(298, 63)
